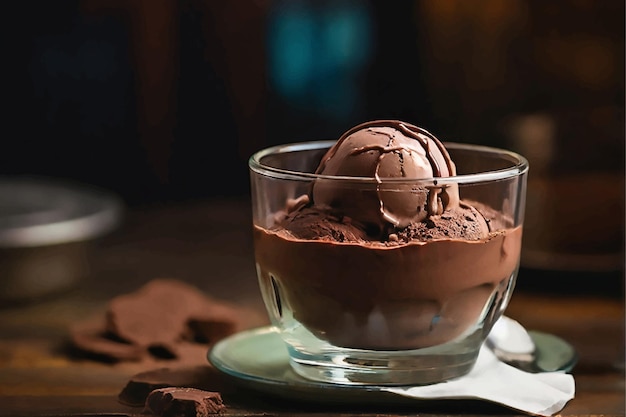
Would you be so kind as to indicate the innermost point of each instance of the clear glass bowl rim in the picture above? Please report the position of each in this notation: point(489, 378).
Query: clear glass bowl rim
point(519, 165)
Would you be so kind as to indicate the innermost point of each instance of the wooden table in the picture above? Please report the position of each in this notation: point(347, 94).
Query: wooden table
point(208, 244)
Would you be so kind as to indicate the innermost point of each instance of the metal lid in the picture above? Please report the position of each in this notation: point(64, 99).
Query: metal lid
point(41, 211)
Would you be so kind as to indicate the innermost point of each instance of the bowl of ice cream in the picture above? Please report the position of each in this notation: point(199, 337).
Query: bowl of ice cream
point(386, 256)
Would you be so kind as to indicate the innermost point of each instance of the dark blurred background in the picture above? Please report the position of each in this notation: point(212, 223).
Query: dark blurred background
point(164, 101)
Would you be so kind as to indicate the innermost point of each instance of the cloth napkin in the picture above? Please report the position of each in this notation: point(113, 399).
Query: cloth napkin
point(541, 394)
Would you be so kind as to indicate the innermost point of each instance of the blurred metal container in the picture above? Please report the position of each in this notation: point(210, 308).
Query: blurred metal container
point(47, 227)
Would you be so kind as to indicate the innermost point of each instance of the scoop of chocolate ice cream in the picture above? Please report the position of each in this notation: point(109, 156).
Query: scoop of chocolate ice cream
point(385, 157)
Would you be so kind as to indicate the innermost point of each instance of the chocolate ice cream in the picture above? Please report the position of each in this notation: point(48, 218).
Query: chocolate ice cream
point(380, 260)
point(386, 149)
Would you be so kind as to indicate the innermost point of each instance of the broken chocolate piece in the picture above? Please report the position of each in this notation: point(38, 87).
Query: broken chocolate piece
point(182, 402)
point(156, 320)
point(214, 322)
point(156, 314)
point(202, 377)
point(91, 337)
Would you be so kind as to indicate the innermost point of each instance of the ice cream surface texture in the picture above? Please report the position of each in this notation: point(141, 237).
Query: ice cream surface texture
point(381, 254)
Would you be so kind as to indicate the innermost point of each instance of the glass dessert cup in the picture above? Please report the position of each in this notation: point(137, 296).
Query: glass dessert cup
point(386, 311)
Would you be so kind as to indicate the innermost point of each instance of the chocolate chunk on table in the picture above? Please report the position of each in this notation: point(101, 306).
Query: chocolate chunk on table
point(181, 402)
point(207, 329)
point(202, 377)
point(157, 313)
point(91, 337)
point(154, 320)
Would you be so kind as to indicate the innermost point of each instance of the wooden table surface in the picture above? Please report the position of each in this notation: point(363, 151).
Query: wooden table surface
point(208, 244)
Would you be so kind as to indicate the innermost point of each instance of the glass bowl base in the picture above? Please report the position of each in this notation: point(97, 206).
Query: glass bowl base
point(367, 367)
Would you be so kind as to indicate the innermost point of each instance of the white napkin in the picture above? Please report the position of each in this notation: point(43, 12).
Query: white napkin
point(542, 394)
